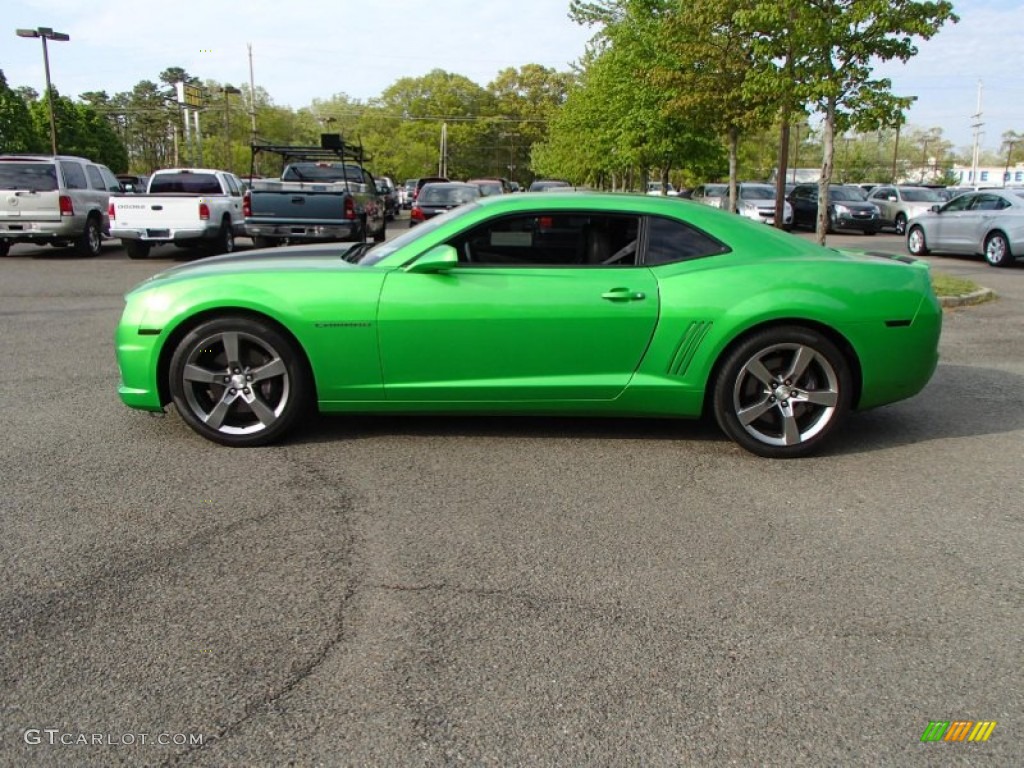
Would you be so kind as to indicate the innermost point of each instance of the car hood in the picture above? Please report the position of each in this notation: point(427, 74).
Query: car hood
point(286, 259)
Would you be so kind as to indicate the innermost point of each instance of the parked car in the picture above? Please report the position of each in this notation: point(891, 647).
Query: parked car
point(545, 185)
point(715, 195)
point(386, 189)
point(847, 209)
point(314, 201)
point(420, 183)
point(190, 207)
point(490, 187)
point(655, 188)
point(756, 201)
point(132, 184)
point(60, 200)
point(437, 198)
point(899, 203)
point(587, 304)
point(990, 222)
point(410, 193)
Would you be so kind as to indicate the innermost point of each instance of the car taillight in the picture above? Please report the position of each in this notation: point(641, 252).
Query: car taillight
point(350, 208)
point(66, 206)
point(204, 212)
point(110, 211)
point(416, 213)
point(247, 204)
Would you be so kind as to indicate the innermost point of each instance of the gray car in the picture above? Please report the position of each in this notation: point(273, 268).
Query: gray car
point(898, 204)
point(990, 222)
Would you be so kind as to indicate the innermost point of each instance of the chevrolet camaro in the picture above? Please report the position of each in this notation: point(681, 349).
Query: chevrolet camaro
point(574, 304)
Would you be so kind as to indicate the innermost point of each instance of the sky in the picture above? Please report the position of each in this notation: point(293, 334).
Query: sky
point(312, 49)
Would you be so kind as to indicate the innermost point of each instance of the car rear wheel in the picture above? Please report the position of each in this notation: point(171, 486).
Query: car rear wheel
point(264, 242)
point(5, 248)
point(916, 243)
point(997, 250)
point(91, 241)
point(381, 235)
point(901, 224)
point(782, 392)
point(225, 238)
point(136, 249)
point(238, 381)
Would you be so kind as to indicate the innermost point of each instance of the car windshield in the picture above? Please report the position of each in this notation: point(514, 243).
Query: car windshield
point(489, 187)
point(35, 177)
point(716, 190)
point(436, 194)
point(1019, 192)
point(923, 195)
point(382, 250)
point(847, 194)
point(756, 192)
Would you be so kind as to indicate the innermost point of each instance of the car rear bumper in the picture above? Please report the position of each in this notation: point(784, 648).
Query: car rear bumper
point(165, 235)
point(334, 231)
point(27, 231)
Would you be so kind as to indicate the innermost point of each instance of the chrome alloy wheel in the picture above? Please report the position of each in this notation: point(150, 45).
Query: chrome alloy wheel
point(785, 394)
point(235, 383)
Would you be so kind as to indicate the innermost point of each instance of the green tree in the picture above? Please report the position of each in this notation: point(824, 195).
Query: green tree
point(827, 49)
point(18, 132)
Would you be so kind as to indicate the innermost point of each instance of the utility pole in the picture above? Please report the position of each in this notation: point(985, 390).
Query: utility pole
point(252, 111)
point(977, 126)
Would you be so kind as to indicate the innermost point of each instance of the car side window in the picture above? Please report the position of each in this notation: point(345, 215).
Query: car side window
point(987, 203)
point(669, 241)
point(111, 184)
point(74, 176)
point(556, 239)
point(95, 177)
point(961, 203)
point(232, 187)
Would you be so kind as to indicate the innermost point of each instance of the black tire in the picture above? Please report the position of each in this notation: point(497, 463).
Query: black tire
point(91, 242)
point(239, 381)
point(225, 242)
point(260, 241)
point(773, 418)
point(381, 235)
point(997, 250)
point(916, 243)
point(136, 249)
point(900, 224)
point(831, 221)
point(5, 248)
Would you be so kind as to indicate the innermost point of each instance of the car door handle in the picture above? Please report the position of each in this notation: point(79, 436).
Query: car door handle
point(623, 294)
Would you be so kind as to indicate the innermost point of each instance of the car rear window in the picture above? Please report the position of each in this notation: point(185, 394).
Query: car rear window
point(35, 177)
point(188, 183)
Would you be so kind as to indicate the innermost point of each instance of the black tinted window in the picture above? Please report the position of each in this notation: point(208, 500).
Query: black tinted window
point(95, 177)
point(558, 239)
point(35, 177)
point(188, 183)
point(74, 176)
point(669, 240)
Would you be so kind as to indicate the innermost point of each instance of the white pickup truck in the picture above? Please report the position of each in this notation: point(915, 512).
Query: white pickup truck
point(186, 206)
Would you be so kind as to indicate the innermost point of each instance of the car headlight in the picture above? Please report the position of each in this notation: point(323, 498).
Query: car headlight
point(876, 210)
point(842, 209)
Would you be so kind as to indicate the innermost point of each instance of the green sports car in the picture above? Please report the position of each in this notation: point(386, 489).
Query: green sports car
point(575, 303)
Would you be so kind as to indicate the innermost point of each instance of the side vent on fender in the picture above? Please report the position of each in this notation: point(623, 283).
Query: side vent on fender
point(687, 347)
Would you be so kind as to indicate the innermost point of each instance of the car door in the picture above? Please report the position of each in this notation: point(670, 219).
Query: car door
point(885, 199)
point(531, 313)
point(952, 226)
point(234, 198)
point(978, 220)
point(805, 206)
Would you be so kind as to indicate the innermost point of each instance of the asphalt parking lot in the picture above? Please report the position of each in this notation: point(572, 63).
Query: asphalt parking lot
point(427, 591)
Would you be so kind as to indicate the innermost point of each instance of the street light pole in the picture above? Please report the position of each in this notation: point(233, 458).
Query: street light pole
point(47, 33)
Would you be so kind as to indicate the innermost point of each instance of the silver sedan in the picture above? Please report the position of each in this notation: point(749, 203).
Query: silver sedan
point(989, 222)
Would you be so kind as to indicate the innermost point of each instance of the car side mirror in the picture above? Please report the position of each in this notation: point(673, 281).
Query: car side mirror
point(438, 259)
point(935, 208)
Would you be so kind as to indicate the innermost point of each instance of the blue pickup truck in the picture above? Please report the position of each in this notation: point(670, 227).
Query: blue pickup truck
point(315, 201)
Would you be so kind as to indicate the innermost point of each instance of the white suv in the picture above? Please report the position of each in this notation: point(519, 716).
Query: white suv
point(59, 200)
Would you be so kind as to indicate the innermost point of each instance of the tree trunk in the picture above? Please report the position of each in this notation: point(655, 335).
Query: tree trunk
point(828, 127)
point(734, 145)
point(780, 174)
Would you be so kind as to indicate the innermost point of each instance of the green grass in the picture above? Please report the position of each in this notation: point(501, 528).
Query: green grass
point(947, 285)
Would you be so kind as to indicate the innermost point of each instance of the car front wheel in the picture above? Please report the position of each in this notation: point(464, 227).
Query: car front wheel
point(782, 391)
point(238, 381)
point(916, 243)
point(997, 250)
point(901, 224)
